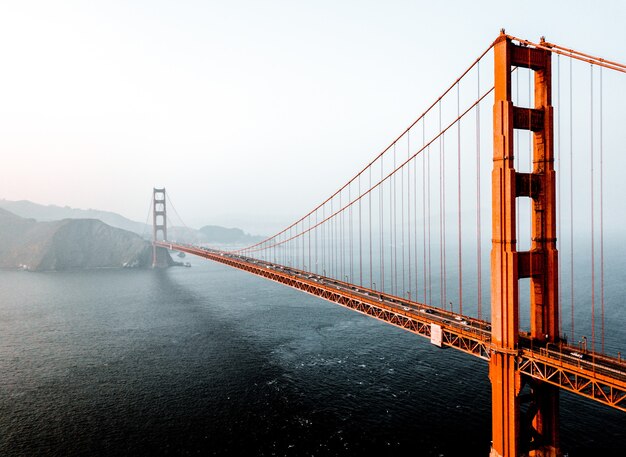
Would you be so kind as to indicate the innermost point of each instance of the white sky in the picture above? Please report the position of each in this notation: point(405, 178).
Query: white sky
point(249, 112)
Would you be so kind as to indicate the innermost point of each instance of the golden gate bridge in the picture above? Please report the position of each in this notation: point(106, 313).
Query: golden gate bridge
point(403, 240)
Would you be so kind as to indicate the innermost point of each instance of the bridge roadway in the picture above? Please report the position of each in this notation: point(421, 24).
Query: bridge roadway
point(595, 376)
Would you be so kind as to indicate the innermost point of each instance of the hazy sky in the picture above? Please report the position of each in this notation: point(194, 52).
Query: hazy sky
point(249, 112)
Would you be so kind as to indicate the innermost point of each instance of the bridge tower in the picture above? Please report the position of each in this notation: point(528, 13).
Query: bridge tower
point(533, 432)
point(159, 226)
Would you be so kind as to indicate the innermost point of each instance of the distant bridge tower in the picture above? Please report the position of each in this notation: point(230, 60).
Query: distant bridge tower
point(532, 432)
point(159, 226)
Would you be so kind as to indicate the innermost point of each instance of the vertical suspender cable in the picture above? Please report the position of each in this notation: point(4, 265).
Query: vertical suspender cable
point(424, 207)
point(571, 198)
point(478, 228)
point(393, 253)
point(391, 226)
point(335, 239)
point(360, 237)
point(344, 252)
point(458, 143)
point(338, 241)
point(344, 242)
point(601, 214)
point(332, 239)
point(403, 291)
point(316, 244)
point(331, 242)
point(370, 232)
point(442, 302)
point(408, 207)
point(558, 180)
point(336, 247)
point(337, 235)
point(593, 258)
point(324, 224)
point(380, 225)
point(443, 218)
point(306, 240)
point(430, 290)
point(352, 279)
point(415, 227)
point(329, 245)
point(341, 238)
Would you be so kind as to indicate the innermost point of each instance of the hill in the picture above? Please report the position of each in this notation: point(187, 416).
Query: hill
point(28, 209)
point(69, 244)
point(209, 234)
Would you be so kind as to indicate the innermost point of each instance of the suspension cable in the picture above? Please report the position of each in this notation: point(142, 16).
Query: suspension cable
point(599, 61)
point(390, 174)
point(433, 105)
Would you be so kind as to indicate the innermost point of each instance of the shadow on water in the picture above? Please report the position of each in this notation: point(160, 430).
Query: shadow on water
point(342, 383)
point(173, 378)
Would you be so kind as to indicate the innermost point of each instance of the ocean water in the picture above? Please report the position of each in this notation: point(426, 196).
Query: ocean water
point(212, 361)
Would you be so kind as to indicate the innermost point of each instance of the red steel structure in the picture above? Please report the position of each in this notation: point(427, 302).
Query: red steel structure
point(523, 366)
point(603, 380)
point(508, 265)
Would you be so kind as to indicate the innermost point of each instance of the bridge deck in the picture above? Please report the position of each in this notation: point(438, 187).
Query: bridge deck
point(598, 377)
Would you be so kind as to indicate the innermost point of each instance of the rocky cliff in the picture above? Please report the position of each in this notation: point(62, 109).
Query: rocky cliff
point(69, 244)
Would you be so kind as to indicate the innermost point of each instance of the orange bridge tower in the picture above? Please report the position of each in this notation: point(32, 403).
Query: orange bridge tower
point(524, 411)
point(159, 227)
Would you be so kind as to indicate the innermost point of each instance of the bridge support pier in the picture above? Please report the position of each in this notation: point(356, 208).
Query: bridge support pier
point(539, 425)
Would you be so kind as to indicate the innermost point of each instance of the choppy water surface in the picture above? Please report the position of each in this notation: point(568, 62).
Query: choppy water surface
point(212, 361)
